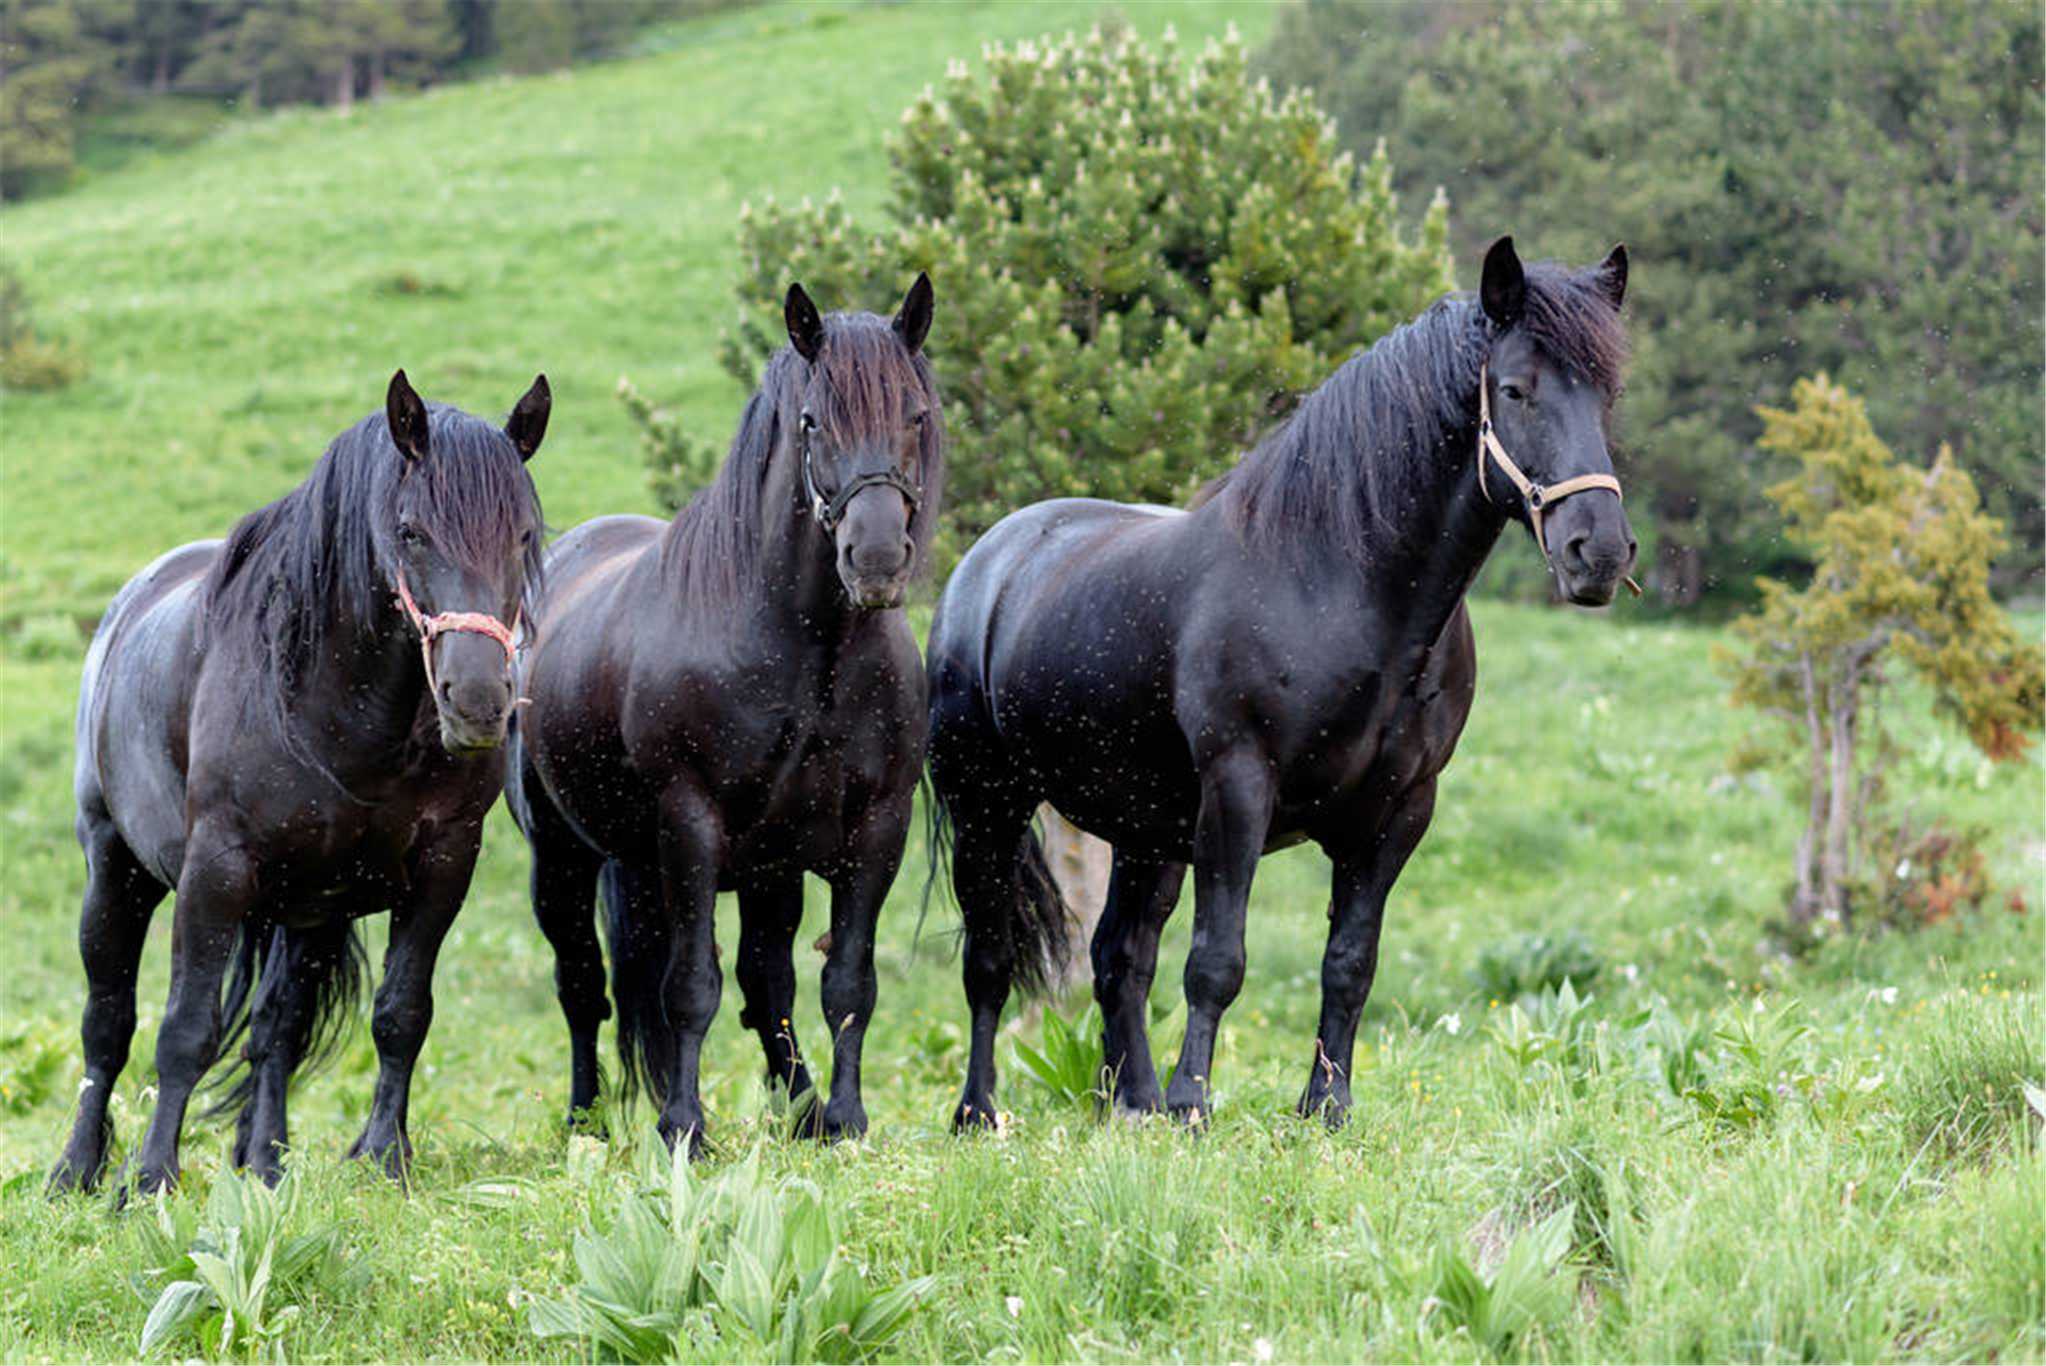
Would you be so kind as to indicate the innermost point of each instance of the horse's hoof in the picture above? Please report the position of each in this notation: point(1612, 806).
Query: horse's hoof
point(1332, 1110)
point(69, 1177)
point(675, 1135)
point(974, 1117)
point(851, 1123)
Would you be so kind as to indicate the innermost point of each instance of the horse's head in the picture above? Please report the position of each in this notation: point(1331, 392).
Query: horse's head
point(1546, 392)
point(869, 433)
point(464, 541)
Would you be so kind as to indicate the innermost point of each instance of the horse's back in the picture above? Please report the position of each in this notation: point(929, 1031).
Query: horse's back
point(1029, 560)
point(133, 700)
point(593, 550)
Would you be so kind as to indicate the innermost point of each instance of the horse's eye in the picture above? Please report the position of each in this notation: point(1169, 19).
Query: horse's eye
point(1512, 391)
point(409, 533)
point(920, 417)
point(807, 422)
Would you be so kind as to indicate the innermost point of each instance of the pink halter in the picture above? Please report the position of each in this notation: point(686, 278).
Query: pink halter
point(481, 623)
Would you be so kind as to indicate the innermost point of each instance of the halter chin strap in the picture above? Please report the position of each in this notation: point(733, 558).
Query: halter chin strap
point(831, 511)
point(1537, 497)
point(440, 623)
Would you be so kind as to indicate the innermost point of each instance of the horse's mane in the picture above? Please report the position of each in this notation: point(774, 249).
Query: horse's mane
point(712, 549)
point(310, 566)
point(1366, 447)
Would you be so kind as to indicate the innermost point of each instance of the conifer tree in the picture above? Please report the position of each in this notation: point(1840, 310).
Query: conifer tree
point(1902, 556)
point(1140, 264)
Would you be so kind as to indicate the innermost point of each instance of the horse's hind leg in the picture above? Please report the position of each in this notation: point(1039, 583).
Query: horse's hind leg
point(988, 837)
point(769, 912)
point(114, 924)
point(1363, 875)
point(564, 882)
point(1141, 896)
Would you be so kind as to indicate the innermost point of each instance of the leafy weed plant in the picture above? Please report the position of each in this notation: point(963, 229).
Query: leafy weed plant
point(734, 1261)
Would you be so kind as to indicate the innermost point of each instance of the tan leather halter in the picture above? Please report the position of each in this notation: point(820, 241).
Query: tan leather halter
point(1537, 496)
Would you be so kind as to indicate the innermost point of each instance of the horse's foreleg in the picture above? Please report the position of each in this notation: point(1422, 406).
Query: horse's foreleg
point(112, 928)
point(1363, 876)
point(404, 1001)
point(215, 893)
point(692, 983)
point(770, 911)
point(1141, 896)
point(1229, 835)
point(857, 890)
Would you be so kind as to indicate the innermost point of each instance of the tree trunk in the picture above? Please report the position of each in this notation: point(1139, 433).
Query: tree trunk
point(1837, 863)
point(344, 85)
point(1678, 568)
point(376, 76)
point(1807, 903)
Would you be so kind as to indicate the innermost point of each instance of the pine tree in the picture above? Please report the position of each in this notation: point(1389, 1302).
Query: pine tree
point(1140, 264)
point(1847, 185)
point(1902, 572)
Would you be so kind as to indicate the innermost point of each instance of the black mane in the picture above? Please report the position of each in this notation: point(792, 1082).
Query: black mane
point(313, 564)
point(712, 549)
point(1368, 445)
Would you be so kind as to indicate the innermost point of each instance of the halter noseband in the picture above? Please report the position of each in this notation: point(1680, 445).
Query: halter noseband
point(831, 511)
point(440, 623)
point(1537, 497)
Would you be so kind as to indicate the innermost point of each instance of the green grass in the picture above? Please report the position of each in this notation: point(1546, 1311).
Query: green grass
point(245, 299)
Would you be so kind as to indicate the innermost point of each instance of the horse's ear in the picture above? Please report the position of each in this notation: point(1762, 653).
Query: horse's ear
point(913, 323)
point(528, 421)
point(1503, 290)
point(406, 413)
point(806, 329)
point(1612, 274)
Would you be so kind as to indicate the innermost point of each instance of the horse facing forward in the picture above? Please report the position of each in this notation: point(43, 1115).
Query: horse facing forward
point(729, 699)
point(1288, 659)
point(294, 728)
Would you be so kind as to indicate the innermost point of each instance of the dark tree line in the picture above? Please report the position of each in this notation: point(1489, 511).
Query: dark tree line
point(1853, 186)
point(60, 59)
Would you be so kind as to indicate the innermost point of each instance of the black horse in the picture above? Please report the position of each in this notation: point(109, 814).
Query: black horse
point(727, 700)
point(294, 728)
point(1288, 659)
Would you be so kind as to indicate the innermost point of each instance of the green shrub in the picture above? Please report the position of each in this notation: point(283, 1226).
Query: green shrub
point(27, 361)
point(1139, 266)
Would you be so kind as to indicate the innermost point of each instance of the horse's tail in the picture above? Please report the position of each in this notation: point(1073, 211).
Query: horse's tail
point(329, 962)
point(1038, 923)
point(636, 923)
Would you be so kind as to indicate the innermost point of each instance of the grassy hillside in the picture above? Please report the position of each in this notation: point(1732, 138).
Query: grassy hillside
point(243, 302)
point(1741, 1156)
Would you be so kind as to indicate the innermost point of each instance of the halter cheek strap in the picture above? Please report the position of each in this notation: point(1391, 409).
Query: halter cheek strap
point(440, 623)
point(1537, 497)
point(831, 511)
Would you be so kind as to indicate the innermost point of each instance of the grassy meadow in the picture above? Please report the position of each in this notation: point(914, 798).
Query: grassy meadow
point(1702, 1150)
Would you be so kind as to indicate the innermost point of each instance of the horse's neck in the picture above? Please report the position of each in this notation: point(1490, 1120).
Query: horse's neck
point(369, 697)
point(1437, 547)
point(798, 579)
